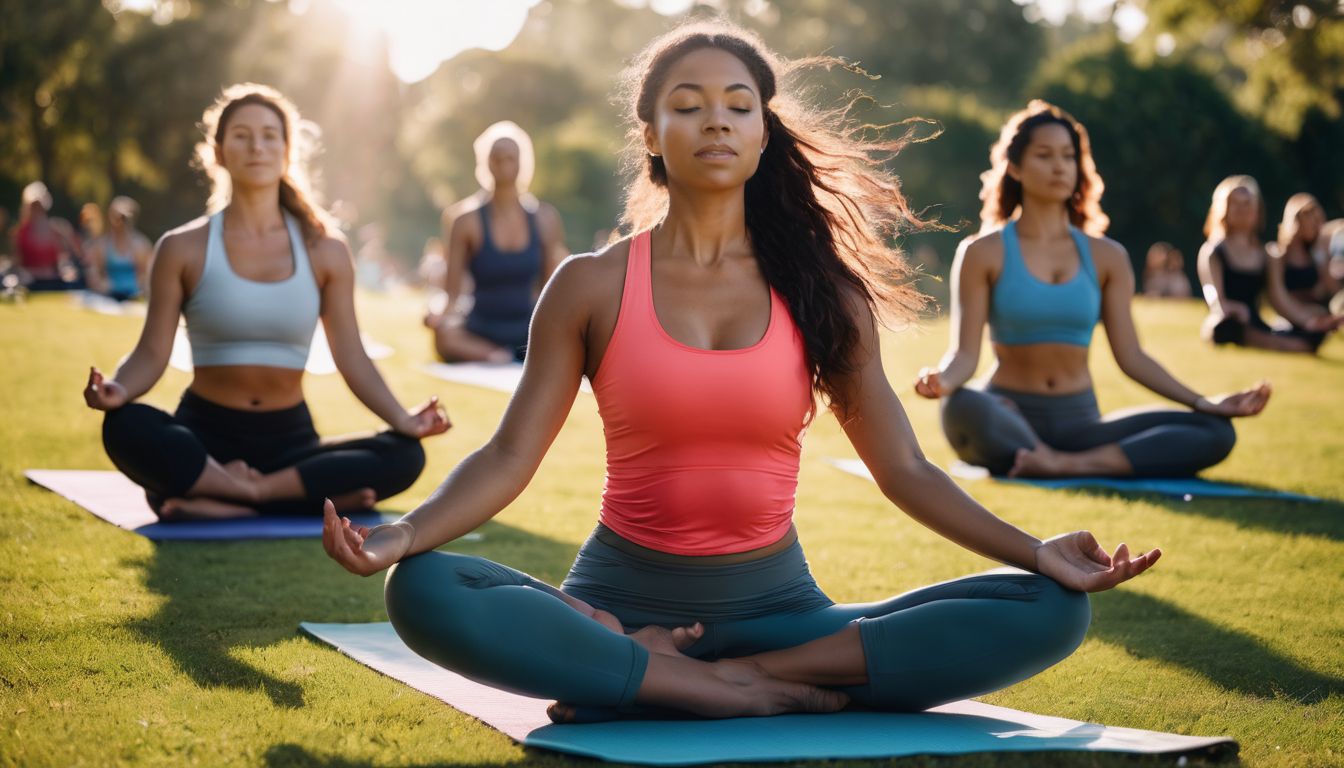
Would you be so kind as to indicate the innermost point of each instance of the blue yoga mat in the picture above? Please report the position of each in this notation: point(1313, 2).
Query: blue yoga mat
point(1185, 488)
point(111, 496)
point(960, 728)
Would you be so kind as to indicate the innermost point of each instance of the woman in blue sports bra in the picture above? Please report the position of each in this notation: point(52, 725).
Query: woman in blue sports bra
point(252, 280)
point(508, 242)
point(1042, 281)
point(119, 259)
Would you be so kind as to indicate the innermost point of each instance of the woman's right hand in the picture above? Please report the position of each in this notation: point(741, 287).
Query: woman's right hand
point(1247, 402)
point(360, 550)
point(103, 394)
point(929, 383)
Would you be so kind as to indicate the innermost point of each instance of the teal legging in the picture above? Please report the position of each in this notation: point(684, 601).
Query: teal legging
point(927, 647)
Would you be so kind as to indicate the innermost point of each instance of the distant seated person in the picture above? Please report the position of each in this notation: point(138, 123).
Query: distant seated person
point(1164, 273)
point(1333, 234)
point(508, 242)
point(43, 245)
point(1236, 271)
point(1303, 256)
point(118, 260)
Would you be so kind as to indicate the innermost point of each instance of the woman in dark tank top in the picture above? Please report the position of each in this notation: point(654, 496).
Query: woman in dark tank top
point(508, 243)
point(1303, 254)
point(1236, 270)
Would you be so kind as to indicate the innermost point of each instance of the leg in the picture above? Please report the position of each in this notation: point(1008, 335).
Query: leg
point(1159, 442)
point(984, 431)
point(455, 344)
point(352, 472)
point(169, 460)
point(1278, 342)
point(942, 643)
point(501, 627)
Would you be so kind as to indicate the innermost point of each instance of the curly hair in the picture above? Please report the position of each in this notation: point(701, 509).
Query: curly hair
point(1002, 194)
point(821, 211)
point(300, 145)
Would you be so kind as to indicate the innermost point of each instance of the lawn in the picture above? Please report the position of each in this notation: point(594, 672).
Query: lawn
point(114, 650)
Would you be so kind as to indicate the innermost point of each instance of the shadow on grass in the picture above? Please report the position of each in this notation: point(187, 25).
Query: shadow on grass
point(297, 756)
point(1324, 518)
point(1151, 628)
point(223, 598)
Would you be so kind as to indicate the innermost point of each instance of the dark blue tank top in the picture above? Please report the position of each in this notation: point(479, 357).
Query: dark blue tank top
point(505, 284)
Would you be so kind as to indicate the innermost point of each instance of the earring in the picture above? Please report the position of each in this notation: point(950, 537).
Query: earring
point(654, 155)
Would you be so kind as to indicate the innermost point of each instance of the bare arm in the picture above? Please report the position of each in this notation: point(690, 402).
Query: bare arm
point(972, 282)
point(336, 277)
point(493, 476)
point(458, 234)
point(141, 369)
point(877, 426)
point(1294, 311)
point(553, 248)
point(1211, 279)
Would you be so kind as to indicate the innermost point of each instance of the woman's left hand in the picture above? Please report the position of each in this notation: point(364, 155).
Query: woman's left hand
point(1078, 562)
point(426, 421)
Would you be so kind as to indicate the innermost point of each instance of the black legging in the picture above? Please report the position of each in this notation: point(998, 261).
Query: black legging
point(166, 454)
point(1159, 442)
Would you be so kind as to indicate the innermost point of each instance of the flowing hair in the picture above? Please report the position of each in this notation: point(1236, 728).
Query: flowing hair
point(301, 139)
point(821, 211)
point(1002, 194)
point(1215, 226)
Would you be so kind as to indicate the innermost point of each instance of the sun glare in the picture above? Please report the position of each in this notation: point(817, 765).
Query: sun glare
point(422, 35)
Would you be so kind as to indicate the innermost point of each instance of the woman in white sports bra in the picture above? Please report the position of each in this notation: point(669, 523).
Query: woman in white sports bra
point(252, 280)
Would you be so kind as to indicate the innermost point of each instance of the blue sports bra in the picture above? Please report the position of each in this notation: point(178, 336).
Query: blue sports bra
point(1023, 309)
point(235, 321)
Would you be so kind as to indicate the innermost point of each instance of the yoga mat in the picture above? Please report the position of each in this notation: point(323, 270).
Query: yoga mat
point(112, 496)
point(960, 728)
point(319, 362)
point(105, 305)
point(1184, 488)
point(501, 377)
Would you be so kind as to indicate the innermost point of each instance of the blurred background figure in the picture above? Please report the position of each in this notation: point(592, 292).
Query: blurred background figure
point(118, 260)
point(1333, 234)
point(44, 245)
point(1164, 273)
point(508, 242)
point(1235, 271)
point(1302, 255)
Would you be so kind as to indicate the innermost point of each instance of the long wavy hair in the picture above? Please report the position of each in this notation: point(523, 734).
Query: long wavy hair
point(1215, 225)
point(821, 211)
point(301, 141)
point(1289, 227)
point(1001, 194)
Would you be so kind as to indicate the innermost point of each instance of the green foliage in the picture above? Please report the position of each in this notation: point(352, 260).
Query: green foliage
point(1161, 155)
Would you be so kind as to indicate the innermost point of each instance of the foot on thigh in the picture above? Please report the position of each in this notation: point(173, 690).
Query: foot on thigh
point(358, 500)
point(669, 642)
point(201, 508)
point(1041, 461)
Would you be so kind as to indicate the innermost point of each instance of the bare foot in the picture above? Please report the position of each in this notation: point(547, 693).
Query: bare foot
point(359, 500)
point(669, 642)
point(748, 690)
point(1041, 461)
point(201, 508)
point(499, 356)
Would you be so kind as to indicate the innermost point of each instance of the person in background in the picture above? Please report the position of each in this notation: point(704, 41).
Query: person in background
point(508, 242)
point(1164, 273)
point(44, 245)
point(118, 261)
point(1234, 268)
point(1301, 256)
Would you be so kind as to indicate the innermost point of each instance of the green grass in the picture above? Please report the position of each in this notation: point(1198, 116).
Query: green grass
point(114, 650)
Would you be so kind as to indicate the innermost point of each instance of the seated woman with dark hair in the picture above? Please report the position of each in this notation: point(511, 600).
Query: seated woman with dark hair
point(1042, 275)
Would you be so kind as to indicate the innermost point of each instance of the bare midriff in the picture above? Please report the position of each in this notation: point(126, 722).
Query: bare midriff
point(1041, 369)
point(249, 387)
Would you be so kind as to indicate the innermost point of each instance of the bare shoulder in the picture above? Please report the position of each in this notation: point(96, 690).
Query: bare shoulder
point(981, 251)
point(455, 215)
point(1108, 253)
point(596, 275)
point(183, 243)
point(331, 255)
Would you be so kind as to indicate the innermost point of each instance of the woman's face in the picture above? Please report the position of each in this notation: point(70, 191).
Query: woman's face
point(1241, 214)
point(253, 148)
point(1049, 166)
point(1309, 222)
point(708, 122)
point(503, 162)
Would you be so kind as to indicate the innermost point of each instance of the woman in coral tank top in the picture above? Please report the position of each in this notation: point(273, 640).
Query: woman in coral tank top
point(753, 281)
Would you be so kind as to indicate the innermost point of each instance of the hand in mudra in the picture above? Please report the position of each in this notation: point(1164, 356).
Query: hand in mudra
point(1078, 562)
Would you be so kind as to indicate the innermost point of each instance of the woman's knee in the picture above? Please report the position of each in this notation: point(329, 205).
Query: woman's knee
point(976, 430)
point(1059, 620)
point(1224, 438)
point(427, 601)
point(403, 460)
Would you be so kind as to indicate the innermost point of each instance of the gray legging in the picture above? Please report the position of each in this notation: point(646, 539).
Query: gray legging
point(937, 644)
point(986, 429)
